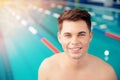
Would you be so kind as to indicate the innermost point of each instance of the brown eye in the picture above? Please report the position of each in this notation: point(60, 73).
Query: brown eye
point(81, 35)
point(67, 35)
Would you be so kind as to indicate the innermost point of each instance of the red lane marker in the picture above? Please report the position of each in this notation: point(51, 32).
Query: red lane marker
point(113, 35)
point(49, 45)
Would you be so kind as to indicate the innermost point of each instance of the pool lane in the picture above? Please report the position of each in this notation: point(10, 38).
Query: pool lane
point(25, 51)
point(42, 20)
point(103, 18)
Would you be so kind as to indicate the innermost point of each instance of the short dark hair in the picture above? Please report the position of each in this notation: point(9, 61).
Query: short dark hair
point(74, 15)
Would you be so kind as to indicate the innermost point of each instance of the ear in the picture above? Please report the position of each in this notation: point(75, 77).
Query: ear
point(59, 36)
point(91, 35)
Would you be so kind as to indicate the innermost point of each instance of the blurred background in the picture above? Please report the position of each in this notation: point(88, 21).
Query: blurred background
point(28, 34)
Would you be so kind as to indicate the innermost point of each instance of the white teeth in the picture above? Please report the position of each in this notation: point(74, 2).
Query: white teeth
point(75, 48)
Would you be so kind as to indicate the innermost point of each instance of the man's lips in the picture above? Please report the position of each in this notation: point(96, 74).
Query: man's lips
point(75, 48)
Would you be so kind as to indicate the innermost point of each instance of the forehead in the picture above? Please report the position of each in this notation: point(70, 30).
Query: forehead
point(74, 26)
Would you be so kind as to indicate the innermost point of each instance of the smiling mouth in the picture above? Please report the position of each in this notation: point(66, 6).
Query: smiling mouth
point(75, 49)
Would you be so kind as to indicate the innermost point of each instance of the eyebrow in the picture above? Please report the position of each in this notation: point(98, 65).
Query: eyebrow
point(82, 32)
point(66, 33)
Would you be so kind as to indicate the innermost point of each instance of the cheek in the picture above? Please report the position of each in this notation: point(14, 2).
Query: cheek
point(64, 43)
point(65, 40)
point(86, 42)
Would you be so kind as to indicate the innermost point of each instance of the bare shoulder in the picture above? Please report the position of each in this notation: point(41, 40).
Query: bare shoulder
point(105, 68)
point(43, 70)
point(46, 66)
point(50, 61)
point(53, 59)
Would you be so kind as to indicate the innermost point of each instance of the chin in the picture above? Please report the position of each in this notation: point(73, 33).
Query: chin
point(78, 56)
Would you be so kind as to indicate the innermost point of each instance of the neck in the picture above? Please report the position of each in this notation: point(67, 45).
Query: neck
point(77, 63)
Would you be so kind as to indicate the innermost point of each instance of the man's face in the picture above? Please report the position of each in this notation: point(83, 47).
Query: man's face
point(75, 38)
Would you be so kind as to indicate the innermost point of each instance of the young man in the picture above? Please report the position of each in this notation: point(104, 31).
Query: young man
point(75, 63)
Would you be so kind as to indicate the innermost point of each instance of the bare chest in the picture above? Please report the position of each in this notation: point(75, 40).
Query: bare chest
point(73, 75)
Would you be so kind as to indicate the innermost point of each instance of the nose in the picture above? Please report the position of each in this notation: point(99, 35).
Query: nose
point(75, 41)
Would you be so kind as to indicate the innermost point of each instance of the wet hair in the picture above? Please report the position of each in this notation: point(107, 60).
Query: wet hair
point(74, 15)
